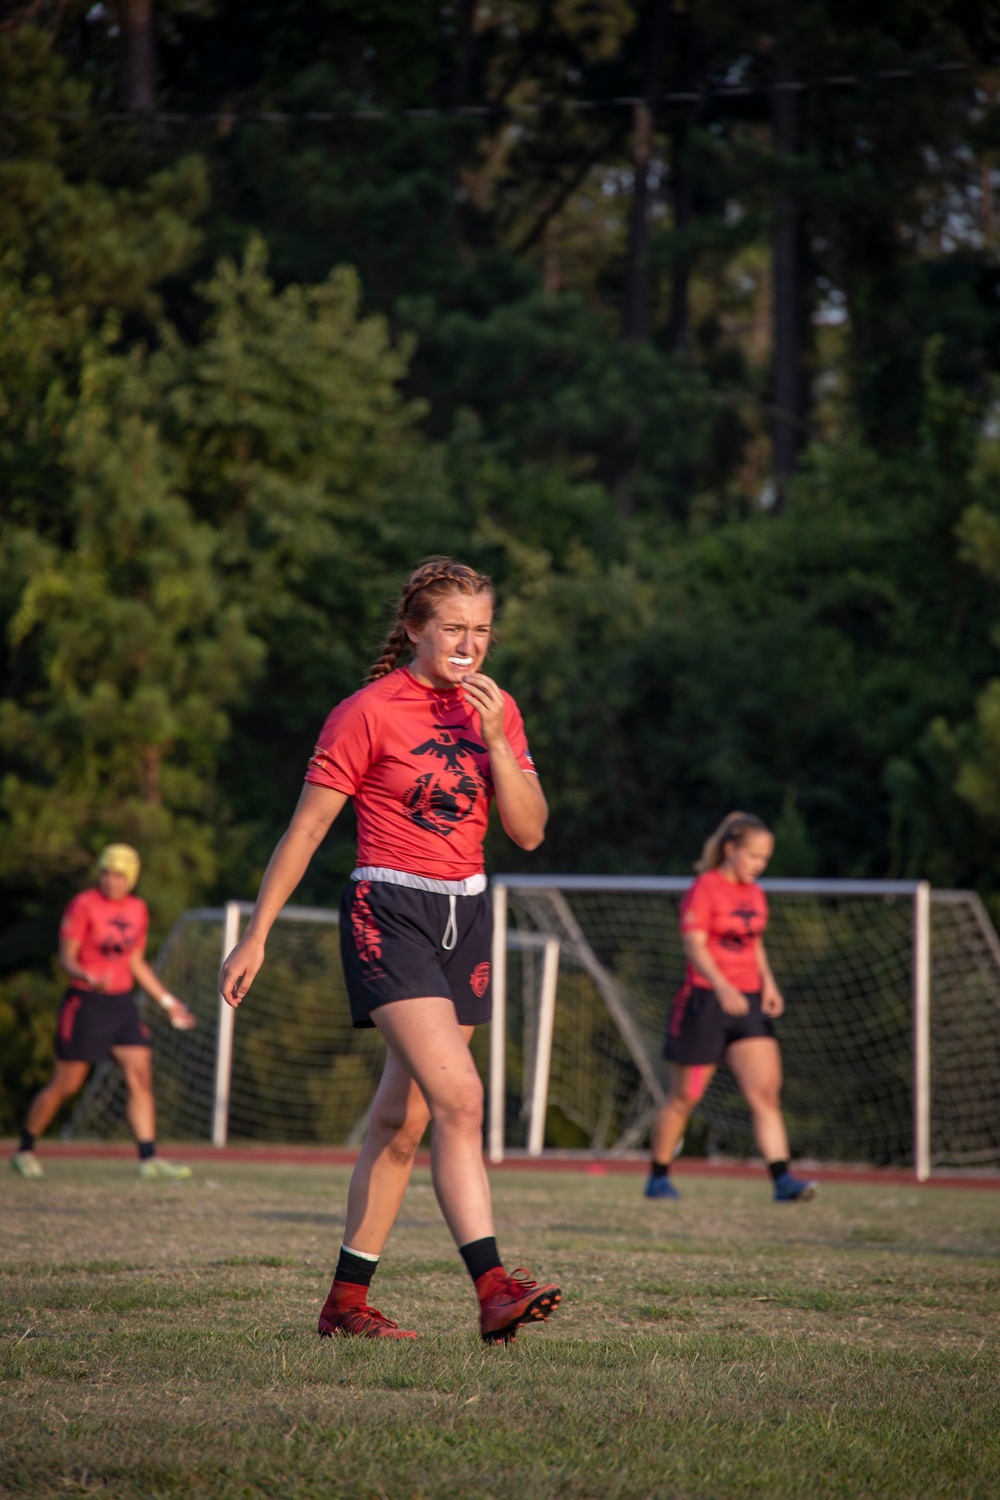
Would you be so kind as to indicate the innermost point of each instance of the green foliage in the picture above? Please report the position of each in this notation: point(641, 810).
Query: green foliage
point(707, 1348)
point(123, 654)
point(250, 373)
point(298, 449)
point(97, 243)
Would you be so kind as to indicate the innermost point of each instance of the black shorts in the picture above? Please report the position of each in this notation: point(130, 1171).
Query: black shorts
point(392, 945)
point(700, 1030)
point(89, 1025)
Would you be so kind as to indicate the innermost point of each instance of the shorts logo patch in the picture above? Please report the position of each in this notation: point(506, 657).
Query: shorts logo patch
point(479, 979)
point(367, 937)
point(68, 1017)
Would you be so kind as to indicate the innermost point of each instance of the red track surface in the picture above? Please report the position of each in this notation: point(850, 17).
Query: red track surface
point(333, 1156)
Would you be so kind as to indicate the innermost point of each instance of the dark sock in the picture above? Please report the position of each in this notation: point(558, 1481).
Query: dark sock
point(480, 1256)
point(357, 1269)
point(147, 1149)
point(661, 1169)
point(27, 1141)
point(777, 1169)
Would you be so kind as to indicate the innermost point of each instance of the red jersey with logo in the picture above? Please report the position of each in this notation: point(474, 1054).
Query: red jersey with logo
point(733, 916)
point(109, 933)
point(416, 766)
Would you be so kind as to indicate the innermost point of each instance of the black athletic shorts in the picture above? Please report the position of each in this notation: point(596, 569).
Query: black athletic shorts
point(700, 1030)
point(392, 944)
point(90, 1024)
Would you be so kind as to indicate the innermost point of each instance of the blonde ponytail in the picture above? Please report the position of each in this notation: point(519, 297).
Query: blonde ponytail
point(732, 830)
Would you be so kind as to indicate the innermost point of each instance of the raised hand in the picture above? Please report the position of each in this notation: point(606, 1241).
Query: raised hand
point(486, 698)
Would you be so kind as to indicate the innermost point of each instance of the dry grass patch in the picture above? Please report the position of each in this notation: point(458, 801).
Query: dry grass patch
point(156, 1340)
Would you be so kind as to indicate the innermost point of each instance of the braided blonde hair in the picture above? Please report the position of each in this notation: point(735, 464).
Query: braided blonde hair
point(732, 830)
point(427, 586)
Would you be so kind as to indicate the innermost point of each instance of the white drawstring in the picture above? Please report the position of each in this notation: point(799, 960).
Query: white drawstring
point(451, 931)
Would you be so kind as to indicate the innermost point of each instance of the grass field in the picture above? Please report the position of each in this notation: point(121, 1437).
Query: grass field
point(157, 1340)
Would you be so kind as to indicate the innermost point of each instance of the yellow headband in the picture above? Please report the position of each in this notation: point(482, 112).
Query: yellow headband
point(123, 859)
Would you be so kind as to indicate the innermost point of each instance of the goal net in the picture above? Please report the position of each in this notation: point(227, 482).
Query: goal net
point(591, 966)
point(297, 1070)
point(587, 1071)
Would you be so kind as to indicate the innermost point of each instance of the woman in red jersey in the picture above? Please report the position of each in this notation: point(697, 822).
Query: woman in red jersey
point(727, 1005)
point(102, 944)
point(422, 749)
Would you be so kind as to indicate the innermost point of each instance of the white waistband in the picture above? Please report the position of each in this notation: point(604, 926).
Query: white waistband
point(472, 885)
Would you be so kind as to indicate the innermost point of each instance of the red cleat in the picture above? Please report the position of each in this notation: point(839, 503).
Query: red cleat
point(359, 1323)
point(508, 1301)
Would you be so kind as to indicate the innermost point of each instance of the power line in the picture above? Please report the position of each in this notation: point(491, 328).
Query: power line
point(483, 111)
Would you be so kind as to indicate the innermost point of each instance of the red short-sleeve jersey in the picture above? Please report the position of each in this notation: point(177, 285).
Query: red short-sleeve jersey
point(413, 761)
point(733, 915)
point(109, 933)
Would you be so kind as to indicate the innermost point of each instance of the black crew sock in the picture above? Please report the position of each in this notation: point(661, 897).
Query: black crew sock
point(357, 1269)
point(777, 1169)
point(147, 1150)
point(661, 1169)
point(480, 1256)
point(27, 1141)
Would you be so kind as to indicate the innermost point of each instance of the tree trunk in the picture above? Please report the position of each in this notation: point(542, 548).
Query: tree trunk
point(635, 309)
point(681, 188)
point(787, 424)
point(460, 81)
point(136, 20)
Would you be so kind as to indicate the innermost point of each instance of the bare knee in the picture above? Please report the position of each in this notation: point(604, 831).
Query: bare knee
point(140, 1080)
point(682, 1102)
point(765, 1100)
point(63, 1087)
point(462, 1110)
point(398, 1131)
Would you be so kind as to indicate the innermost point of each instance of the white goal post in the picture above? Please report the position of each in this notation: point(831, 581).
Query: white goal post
point(891, 1040)
point(287, 1065)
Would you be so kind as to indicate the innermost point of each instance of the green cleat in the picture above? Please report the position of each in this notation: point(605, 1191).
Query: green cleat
point(27, 1163)
point(156, 1169)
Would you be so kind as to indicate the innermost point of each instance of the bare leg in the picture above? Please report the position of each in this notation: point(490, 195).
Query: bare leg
point(687, 1085)
point(399, 1116)
point(756, 1066)
point(140, 1107)
point(67, 1080)
point(432, 1049)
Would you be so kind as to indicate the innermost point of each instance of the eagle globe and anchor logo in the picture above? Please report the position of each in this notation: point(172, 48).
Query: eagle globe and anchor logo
point(443, 797)
point(750, 917)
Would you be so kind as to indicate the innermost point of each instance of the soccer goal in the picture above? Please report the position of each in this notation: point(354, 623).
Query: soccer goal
point(891, 1040)
point(286, 1066)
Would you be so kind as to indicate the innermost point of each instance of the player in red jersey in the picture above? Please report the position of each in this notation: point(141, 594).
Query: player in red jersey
point(727, 1005)
point(422, 750)
point(102, 944)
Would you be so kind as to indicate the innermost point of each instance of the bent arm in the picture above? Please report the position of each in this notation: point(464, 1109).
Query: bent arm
point(732, 1000)
point(180, 1017)
point(144, 975)
point(317, 808)
point(520, 800)
point(772, 1000)
point(69, 953)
